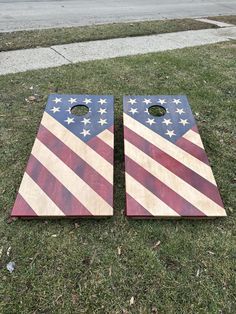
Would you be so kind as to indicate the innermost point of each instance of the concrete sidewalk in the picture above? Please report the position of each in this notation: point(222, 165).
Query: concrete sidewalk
point(41, 58)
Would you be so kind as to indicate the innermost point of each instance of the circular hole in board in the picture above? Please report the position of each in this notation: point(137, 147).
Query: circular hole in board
point(79, 110)
point(157, 111)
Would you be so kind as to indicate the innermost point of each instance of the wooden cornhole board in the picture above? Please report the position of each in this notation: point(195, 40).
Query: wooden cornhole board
point(167, 172)
point(70, 169)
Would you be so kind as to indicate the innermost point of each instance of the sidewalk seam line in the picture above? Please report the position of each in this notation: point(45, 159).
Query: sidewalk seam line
point(60, 54)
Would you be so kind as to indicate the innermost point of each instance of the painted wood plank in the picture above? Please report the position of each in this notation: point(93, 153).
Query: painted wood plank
point(167, 171)
point(70, 169)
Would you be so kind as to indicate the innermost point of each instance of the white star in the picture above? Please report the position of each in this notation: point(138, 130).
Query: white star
point(167, 121)
point(102, 110)
point(162, 101)
point(69, 120)
point(180, 111)
point(87, 101)
point(132, 101)
point(69, 110)
point(55, 109)
point(85, 121)
point(183, 121)
point(146, 111)
point(85, 132)
point(133, 110)
point(176, 101)
point(170, 133)
point(72, 100)
point(56, 100)
point(150, 121)
point(102, 121)
point(147, 101)
point(102, 101)
point(167, 111)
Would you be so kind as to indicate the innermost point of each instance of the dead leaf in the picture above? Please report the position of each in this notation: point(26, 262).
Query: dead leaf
point(76, 225)
point(119, 250)
point(155, 246)
point(11, 219)
point(198, 273)
point(75, 298)
point(154, 310)
point(131, 301)
point(210, 252)
point(9, 251)
point(31, 98)
point(110, 271)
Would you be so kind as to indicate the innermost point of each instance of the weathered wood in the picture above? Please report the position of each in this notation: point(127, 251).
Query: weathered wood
point(70, 169)
point(166, 167)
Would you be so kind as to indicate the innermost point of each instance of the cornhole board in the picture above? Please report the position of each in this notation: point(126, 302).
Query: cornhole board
point(167, 172)
point(70, 169)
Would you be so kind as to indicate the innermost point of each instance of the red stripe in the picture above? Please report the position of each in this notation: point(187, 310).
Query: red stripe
point(62, 197)
point(111, 128)
point(194, 179)
point(101, 148)
point(97, 182)
point(192, 149)
point(133, 208)
point(21, 208)
point(195, 129)
point(162, 191)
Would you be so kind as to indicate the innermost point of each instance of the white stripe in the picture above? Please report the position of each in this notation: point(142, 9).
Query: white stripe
point(181, 187)
point(107, 137)
point(37, 199)
point(171, 149)
point(147, 199)
point(194, 138)
point(79, 188)
point(96, 161)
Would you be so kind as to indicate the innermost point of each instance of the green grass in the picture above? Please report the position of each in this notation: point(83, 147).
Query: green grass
point(56, 36)
point(79, 270)
point(231, 19)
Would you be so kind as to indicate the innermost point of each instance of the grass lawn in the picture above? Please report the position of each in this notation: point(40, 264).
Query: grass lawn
point(56, 36)
point(73, 266)
point(231, 19)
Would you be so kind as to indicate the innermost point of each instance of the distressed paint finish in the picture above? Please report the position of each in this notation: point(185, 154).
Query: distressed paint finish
point(167, 172)
point(70, 169)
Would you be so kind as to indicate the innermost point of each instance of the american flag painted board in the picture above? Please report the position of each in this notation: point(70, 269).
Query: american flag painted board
point(70, 169)
point(167, 172)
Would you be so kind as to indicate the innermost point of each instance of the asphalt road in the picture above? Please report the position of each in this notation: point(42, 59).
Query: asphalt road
point(19, 15)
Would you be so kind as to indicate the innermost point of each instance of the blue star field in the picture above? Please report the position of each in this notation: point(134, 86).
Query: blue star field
point(99, 117)
point(176, 121)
